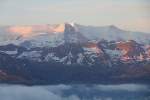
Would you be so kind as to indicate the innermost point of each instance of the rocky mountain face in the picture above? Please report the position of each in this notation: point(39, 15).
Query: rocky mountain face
point(72, 53)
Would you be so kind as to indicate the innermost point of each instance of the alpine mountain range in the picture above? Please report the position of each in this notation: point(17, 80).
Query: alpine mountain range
point(73, 53)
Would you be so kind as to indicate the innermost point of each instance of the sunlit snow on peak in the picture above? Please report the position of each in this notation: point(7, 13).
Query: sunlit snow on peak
point(24, 31)
point(72, 24)
point(59, 28)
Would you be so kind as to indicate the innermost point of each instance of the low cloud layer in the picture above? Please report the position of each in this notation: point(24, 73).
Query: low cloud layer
point(75, 92)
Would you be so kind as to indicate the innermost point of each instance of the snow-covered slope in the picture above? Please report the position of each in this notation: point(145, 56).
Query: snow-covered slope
point(112, 33)
point(51, 35)
point(32, 36)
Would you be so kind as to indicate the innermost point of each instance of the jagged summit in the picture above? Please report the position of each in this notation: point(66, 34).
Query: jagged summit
point(71, 23)
point(69, 28)
point(72, 35)
point(113, 27)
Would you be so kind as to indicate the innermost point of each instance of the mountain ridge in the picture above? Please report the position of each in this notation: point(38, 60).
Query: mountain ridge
point(56, 33)
point(60, 57)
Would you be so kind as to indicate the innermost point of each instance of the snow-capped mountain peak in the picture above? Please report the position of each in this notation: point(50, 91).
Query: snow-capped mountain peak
point(72, 35)
point(72, 24)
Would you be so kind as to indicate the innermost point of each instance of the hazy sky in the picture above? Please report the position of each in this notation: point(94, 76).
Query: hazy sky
point(127, 14)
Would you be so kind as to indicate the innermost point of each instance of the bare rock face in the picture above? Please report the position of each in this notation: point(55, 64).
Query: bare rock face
point(71, 35)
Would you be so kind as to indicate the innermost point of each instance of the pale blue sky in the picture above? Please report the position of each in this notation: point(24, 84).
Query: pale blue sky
point(127, 14)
